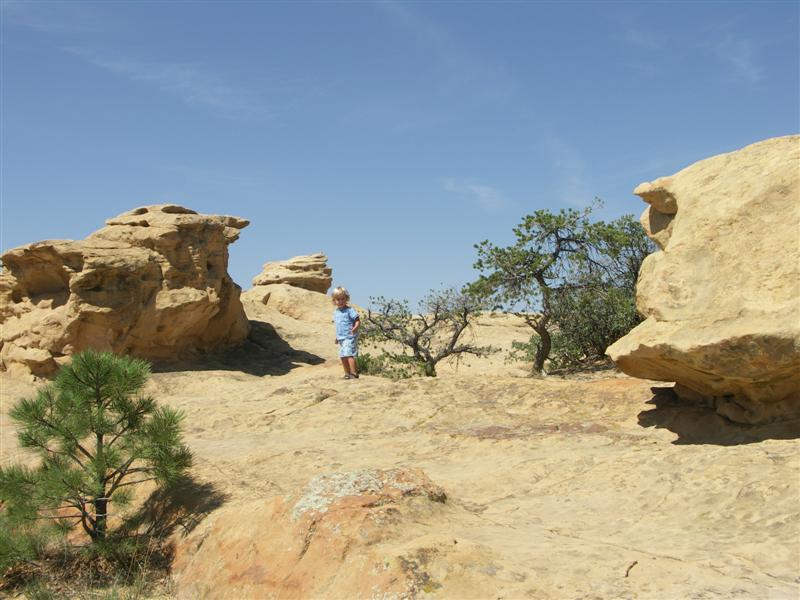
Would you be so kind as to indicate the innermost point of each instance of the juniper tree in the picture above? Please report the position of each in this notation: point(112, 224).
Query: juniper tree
point(598, 306)
point(97, 435)
point(524, 274)
point(430, 336)
point(559, 265)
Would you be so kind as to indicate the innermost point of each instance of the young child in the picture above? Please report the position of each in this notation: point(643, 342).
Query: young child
point(347, 323)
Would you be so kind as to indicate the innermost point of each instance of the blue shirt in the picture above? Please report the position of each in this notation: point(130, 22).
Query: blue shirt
point(344, 318)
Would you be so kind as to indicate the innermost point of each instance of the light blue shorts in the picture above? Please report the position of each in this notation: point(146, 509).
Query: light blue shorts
point(348, 347)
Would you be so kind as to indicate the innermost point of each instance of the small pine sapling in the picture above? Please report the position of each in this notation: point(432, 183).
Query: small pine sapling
point(97, 435)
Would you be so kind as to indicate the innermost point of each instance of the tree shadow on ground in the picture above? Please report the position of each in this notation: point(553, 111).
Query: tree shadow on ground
point(589, 369)
point(700, 425)
point(177, 507)
point(264, 352)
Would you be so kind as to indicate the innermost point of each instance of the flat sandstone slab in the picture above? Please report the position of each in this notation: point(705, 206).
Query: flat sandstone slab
point(555, 488)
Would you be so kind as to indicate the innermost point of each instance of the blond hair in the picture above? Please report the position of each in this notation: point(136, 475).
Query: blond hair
point(340, 292)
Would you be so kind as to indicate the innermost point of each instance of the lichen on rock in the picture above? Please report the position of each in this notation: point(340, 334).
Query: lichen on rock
point(323, 490)
point(329, 540)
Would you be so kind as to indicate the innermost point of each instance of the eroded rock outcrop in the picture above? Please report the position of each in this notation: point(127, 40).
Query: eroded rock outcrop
point(722, 298)
point(327, 541)
point(294, 302)
point(307, 272)
point(152, 283)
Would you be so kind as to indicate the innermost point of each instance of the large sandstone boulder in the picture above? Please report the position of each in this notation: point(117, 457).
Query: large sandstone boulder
point(308, 272)
point(346, 535)
point(722, 298)
point(153, 283)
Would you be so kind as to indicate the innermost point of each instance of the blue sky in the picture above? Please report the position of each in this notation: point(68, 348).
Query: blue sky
point(391, 135)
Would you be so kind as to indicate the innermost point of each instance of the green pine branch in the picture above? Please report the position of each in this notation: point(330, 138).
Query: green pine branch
point(97, 436)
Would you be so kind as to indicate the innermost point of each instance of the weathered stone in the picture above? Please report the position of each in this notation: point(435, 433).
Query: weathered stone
point(324, 542)
point(294, 302)
point(722, 299)
point(307, 272)
point(153, 283)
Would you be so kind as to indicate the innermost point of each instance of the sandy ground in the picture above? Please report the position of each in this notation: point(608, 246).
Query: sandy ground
point(595, 487)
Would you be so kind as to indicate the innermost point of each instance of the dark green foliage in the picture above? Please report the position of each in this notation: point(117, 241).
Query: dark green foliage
point(367, 364)
point(590, 320)
point(599, 307)
point(21, 542)
point(391, 366)
point(425, 338)
point(620, 247)
point(96, 435)
point(586, 322)
point(571, 279)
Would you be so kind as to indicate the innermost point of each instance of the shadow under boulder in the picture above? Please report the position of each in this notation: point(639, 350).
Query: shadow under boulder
point(695, 424)
point(264, 352)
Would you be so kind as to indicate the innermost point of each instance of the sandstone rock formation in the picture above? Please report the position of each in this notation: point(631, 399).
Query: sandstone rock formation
point(325, 542)
point(722, 298)
point(307, 272)
point(153, 283)
point(294, 302)
point(556, 488)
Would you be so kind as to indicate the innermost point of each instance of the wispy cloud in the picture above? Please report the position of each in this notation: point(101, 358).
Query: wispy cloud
point(451, 82)
point(460, 68)
point(644, 46)
point(192, 84)
point(211, 177)
point(642, 38)
point(569, 170)
point(415, 22)
point(719, 41)
point(52, 17)
point(741, 56)
point(637, 167)
point(484, 196)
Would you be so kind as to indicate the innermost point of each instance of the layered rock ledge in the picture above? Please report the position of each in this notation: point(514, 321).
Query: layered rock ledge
point(308, 272)
point(722, 298)
point(152, 283)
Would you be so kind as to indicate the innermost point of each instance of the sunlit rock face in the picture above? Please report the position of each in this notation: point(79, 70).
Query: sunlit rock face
point(152, 283)
point(722, 297)
point(356, 534)
point(307, 272)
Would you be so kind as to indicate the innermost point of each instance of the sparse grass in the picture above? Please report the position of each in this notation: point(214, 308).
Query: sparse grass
point(130, 569)
point(132, 563)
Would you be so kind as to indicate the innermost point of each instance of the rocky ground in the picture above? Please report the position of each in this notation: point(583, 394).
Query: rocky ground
point(600, 486)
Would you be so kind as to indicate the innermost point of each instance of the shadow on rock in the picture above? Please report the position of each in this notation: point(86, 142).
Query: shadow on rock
point(264, 352)
point(701, 425)
point(180, 506)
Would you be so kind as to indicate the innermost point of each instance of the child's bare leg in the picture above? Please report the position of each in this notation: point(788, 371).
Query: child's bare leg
point(351, 362)
point(346, 365)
